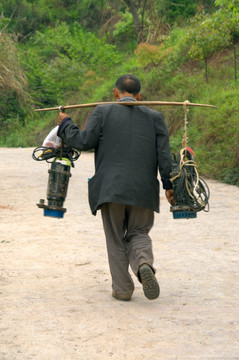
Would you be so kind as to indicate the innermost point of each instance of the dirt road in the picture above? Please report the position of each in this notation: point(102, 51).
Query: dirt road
point(55, 288)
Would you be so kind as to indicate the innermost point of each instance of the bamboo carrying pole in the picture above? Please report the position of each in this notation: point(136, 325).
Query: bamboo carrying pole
point(130, 103)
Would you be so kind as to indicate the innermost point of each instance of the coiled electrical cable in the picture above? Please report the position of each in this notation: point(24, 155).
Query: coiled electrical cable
point(191, 193)
point(44, 153)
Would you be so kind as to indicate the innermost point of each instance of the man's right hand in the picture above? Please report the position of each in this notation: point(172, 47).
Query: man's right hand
point(61, 116)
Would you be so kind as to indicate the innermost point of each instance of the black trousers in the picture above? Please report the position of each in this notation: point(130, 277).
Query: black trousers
point(128, 243)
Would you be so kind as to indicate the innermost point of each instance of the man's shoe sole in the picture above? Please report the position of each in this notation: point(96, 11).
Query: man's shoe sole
point(150, 284)
point(122, 298)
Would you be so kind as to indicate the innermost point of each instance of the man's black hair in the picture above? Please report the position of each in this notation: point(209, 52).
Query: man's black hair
point(128, 83)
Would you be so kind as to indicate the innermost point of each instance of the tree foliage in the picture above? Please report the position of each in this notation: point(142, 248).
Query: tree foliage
point(228, 11)
point(209, 33)
point(22, 17)
point(69, 46)
point(58, 60)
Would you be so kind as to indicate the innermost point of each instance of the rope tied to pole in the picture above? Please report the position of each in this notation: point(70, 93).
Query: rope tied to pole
point(185, 138)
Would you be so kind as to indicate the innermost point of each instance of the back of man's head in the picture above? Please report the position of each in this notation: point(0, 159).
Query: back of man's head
point(128, 84)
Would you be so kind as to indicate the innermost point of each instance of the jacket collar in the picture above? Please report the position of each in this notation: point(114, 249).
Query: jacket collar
point(126, 98)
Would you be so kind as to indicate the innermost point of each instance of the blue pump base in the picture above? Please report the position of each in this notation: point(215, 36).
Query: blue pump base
point(184, 215)
point(54, 213)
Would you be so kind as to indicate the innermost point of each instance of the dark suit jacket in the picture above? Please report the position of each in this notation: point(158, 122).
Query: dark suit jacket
point(131, 144)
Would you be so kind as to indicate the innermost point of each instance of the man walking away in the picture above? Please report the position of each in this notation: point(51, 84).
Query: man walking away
point(131, 145)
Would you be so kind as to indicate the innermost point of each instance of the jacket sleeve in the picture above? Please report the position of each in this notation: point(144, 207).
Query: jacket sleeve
point(163, 152)
point(82, 139)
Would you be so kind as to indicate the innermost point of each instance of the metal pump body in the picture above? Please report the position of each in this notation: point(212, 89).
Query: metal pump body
point(191, 193)
point(180, 208)
point(59, 175)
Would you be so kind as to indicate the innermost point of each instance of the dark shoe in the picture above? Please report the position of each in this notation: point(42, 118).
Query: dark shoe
point(150, 284)
point(120, 297)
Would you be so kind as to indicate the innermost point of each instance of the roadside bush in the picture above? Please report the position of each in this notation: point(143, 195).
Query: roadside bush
point(13, 83)
point(151, 55)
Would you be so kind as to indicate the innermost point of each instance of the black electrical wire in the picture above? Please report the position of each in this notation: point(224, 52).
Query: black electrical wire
point(48, 154)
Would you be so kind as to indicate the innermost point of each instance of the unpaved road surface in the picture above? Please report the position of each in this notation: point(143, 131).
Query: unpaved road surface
point(55, 287)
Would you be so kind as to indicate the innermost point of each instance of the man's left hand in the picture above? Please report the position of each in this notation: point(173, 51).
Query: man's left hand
point(61, 116)
point(169, 196)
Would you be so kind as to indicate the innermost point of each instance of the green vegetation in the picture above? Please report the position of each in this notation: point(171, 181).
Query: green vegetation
point(73, 52)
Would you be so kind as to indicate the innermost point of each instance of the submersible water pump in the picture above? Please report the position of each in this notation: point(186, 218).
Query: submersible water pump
point(191, 193)
point(58, 180)
point(59, 175)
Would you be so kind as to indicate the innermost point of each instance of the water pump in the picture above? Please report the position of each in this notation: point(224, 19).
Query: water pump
point(191, 193)
point(59, 175)
point(58, 180)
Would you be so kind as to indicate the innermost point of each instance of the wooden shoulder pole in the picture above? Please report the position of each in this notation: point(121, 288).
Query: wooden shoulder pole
point(129, 103)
